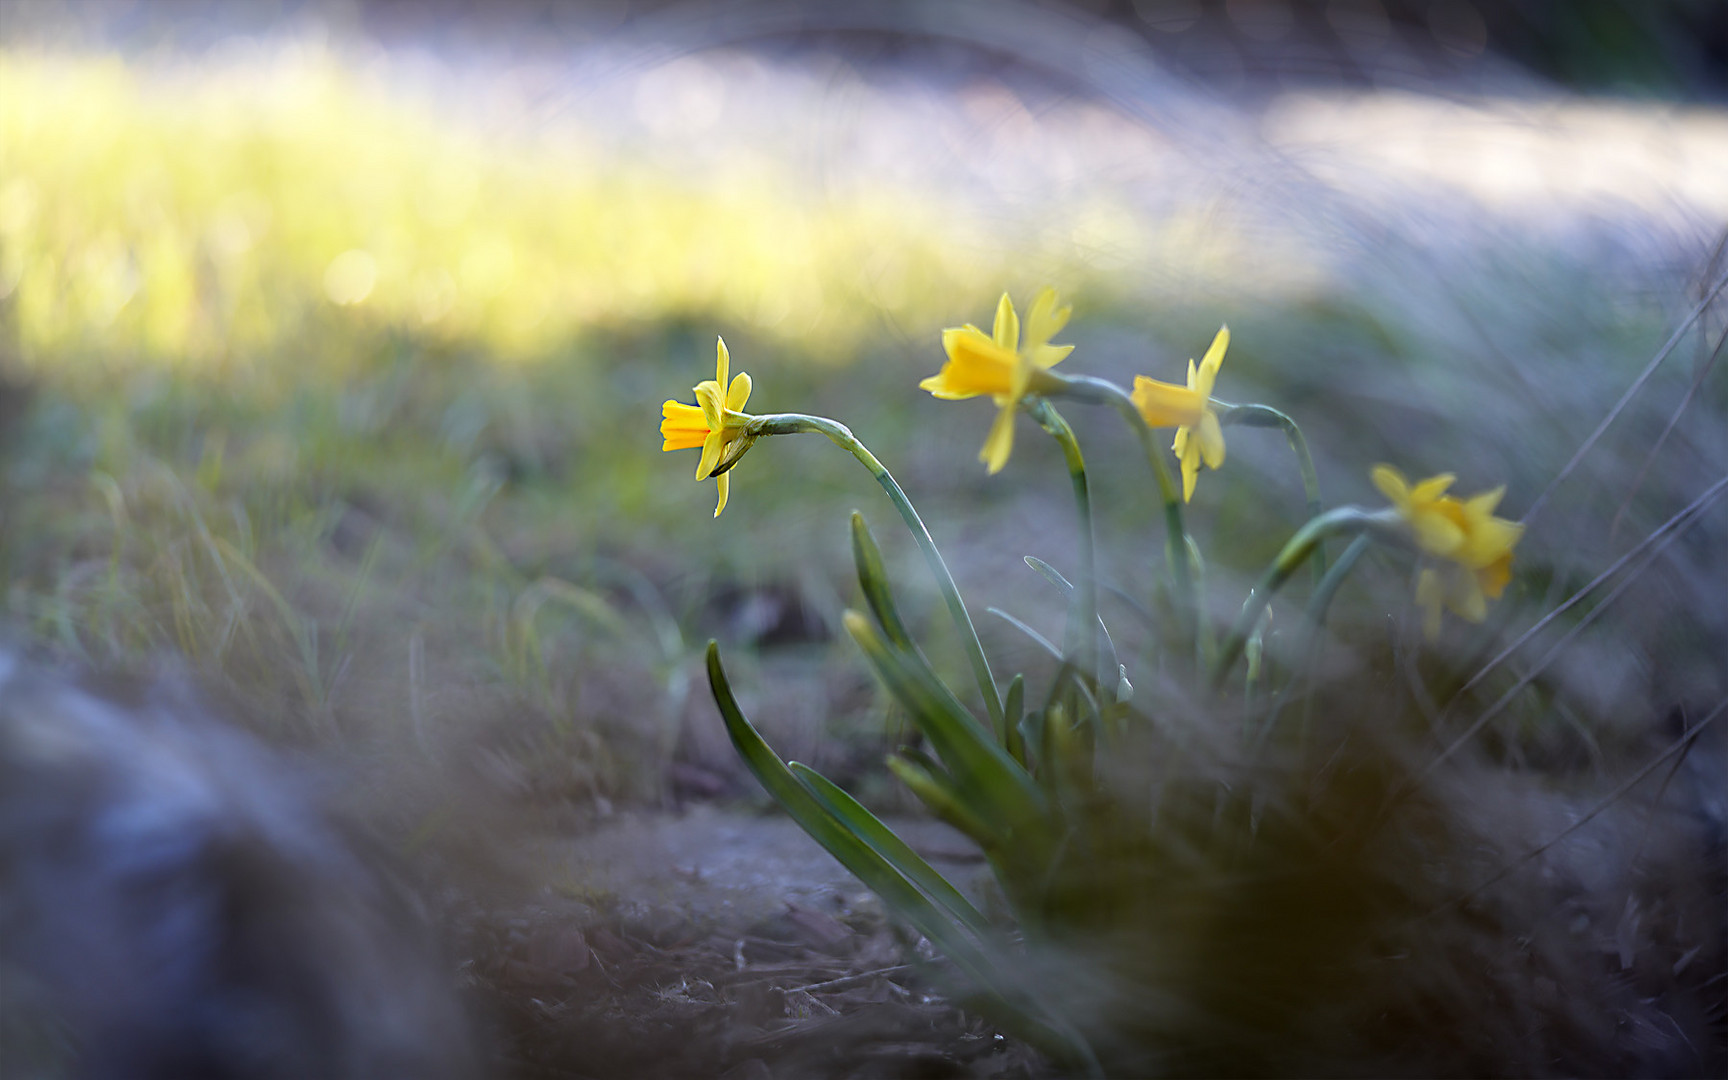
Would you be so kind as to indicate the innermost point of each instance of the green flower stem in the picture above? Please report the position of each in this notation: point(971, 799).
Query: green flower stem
point(1320, 600)
point(1103, 392)
point(1267, 416)
point(1083, 618)
point(841, 436)
point(1297, 550)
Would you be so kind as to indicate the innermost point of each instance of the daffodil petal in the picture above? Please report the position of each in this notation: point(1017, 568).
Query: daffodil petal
point(713, 448)
point(1187, 448)
point(1430, 489)
point(1000, 442)
point(939, 386)
point(1211, 440)
point(1048, 356)
point(724, 482)
point(739, 393)
point(1020, 382)
point(1006, 330)
point(1486, 502)
point(722, 361)
point(1045, 320)
point(1212, 361)
point(1392, 485)
point(1489, 541)
point(1465, 597)
point(1492, 579)
point(713, 408)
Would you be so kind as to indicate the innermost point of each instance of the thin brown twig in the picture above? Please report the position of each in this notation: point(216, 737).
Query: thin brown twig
point(846, 982)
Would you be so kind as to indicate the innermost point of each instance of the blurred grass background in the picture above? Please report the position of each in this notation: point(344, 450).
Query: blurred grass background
point(335, 337)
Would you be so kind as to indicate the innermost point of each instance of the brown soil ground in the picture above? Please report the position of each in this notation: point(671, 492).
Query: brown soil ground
point(743, 951)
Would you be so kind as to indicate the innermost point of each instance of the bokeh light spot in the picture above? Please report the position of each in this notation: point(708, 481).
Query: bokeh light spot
point(350, 277)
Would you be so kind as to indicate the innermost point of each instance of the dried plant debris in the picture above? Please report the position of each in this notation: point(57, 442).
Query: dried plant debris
point(622, 990)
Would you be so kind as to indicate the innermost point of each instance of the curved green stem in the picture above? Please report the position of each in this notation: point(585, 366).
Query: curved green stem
point(1082, 643)
point(1297, 550)
point(1103, 392)
point(1267, 416)
point(1320, 600)
point(841, 436)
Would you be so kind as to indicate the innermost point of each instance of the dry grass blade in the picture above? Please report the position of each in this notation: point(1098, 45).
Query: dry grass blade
point(1631, 392)
point(1668, 532)
point(1656, 447)
point(1661, 535)
point(1584, 819)
point(846, 982)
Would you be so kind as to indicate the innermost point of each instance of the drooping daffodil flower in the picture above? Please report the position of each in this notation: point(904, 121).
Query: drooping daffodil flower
point(1188, 409)
point(1000, 365)
point(1474, 546)
point(1421, 507)
point(716, 423)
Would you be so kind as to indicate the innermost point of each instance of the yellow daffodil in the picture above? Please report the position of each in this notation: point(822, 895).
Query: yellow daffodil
point(1421, 507)
point(1476, 545)
point(997, 364)
point(1188, 409)
point(716, 423)
point(1488, 540)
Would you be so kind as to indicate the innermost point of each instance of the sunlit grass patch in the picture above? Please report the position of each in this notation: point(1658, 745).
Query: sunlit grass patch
point(211, 217)
point(334, 564)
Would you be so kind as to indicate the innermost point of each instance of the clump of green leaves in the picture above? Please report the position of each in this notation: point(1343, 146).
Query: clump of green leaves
point(1158, 835)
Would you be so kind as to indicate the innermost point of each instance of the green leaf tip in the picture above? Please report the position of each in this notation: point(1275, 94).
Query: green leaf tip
point(873, 579)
